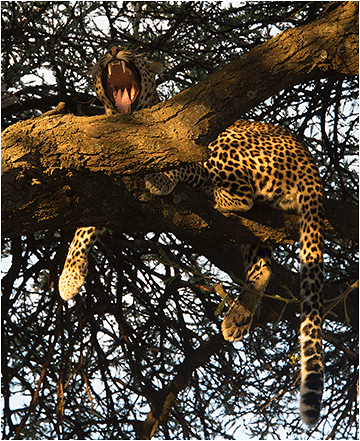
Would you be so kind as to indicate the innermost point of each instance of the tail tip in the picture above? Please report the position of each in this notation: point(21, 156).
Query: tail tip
point(310, 406)
point(310, 416)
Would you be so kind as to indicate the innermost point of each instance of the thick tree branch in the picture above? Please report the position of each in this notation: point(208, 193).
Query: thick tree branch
point(57, 170)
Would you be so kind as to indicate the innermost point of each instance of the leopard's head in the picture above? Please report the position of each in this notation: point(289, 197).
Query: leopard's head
point(125, 81)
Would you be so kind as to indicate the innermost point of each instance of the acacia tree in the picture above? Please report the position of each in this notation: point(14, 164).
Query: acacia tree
point(139, 352)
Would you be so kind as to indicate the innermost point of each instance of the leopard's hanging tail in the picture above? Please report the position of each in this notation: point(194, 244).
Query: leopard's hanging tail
point(311, 357)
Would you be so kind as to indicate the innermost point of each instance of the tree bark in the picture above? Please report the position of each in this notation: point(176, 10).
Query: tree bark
point(63, 171)
point(66, 171)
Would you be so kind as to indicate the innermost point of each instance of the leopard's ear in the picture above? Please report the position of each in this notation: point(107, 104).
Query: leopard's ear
point(156, 66)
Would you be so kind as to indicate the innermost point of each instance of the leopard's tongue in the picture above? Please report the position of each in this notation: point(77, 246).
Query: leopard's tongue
point(122, 101)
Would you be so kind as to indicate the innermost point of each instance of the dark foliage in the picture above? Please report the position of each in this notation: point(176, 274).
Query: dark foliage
point(145, 325)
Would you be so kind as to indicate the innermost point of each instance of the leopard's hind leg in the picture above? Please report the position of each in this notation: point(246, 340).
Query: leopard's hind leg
point(238, 319)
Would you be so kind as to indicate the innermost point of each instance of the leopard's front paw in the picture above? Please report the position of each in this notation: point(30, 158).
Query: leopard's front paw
point(71, 280)
point(159, 184)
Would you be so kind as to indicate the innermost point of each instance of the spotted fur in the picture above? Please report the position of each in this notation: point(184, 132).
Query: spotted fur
point(129, 87)
point(138, 69)
point(249, 162)
point(256, 162)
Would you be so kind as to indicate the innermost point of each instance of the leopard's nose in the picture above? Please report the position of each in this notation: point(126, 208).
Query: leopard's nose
point(114, 50)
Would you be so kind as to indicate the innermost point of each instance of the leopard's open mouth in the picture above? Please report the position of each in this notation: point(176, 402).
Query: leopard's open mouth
point(121, 85)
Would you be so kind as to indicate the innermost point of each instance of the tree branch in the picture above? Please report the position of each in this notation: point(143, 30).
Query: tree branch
point(162, 401)
point(62, 171)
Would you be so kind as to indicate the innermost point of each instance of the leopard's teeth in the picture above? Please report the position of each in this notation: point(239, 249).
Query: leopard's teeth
point(109, 70)
point(123, 65)
point(132, 94)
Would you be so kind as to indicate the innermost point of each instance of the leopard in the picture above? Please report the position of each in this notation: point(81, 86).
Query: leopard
point(125, 82)
point(260, 163)
point(249, 163)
